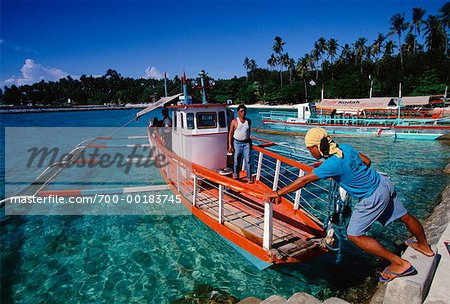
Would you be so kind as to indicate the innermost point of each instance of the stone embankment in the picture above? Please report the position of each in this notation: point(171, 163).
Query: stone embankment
point(298, 298)
point(428, 286)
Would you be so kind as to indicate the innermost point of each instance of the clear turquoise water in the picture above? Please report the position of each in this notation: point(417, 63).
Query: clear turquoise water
point(162, 259)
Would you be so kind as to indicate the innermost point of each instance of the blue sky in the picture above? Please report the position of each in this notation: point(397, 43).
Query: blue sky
point(48, 39)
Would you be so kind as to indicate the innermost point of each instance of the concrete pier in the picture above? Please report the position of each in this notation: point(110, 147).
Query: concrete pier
point(429, 286)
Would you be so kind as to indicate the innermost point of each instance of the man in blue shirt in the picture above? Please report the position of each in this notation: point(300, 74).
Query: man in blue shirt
point(378, 199)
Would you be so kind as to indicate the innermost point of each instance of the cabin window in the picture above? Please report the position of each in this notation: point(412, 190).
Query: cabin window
point(175, 120)
point(222, 122)
point(182, 120)
point(207, 120)
point(190, 121)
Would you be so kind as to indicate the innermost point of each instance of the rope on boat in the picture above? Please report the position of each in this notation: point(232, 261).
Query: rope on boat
point(339, 211)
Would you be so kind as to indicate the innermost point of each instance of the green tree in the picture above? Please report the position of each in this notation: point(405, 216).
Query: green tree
point(434, 35)
point(278, 49)
point(417, 22)
point(389, 48)
point(398, 26)
point(332, 46)
point(303, 67)
point(247, 65)
point(377, 45)
point(272, 61)
point(360, 48)
point(346, 53)
point(445, 19)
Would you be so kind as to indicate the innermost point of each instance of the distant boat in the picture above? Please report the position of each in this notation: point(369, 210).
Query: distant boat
point(353, 117)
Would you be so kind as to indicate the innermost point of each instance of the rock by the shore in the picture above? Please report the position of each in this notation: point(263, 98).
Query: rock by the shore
point(274, 300)
point(335, 301)
point(447, 169)
point(436, 223)
point(250, 300)
point(304, 298)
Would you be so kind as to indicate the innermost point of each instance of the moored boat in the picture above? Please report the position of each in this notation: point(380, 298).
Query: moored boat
point(356, 123)
point(266, 234)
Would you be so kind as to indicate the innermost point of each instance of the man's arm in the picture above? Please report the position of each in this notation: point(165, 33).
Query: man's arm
point(230, 135)
point(297, 184)
point(365, 159)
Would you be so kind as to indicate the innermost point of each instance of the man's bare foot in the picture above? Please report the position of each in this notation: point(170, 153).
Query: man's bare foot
point(423, 249)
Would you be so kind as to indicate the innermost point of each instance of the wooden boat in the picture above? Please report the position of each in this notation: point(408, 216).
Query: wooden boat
point(355, 123)
point(266, 234)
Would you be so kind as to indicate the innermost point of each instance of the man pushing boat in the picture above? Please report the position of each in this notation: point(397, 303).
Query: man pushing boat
point(378, 200)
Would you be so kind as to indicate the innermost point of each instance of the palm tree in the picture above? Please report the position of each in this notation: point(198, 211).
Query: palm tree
point(398, 25)
point(409, 45)
point(246, 65)
point(417, 15)
point(278, 49)
point(445, 19)
point(332, 46)
point(376, 46)
point(315, 55)
point(434, 34)
point(272, 61)
point(289, 63)
point(389, 48)
point(322, 44)
point(303, 66)
point(253, 66)
point(360, 48)
point(346, 53)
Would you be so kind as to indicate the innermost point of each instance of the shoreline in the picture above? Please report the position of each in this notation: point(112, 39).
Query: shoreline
point(6, 110)
point(263, 106)
point(71, 109)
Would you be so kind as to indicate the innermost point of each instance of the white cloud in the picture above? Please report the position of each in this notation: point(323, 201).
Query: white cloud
point(153, 72)
point(33, 72)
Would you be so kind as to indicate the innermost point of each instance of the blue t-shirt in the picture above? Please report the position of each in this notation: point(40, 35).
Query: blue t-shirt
point(350, 173)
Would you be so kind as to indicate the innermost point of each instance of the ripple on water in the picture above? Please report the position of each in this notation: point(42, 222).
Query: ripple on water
point(163, 259)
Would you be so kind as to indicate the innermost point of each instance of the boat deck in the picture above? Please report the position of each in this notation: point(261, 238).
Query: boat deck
point(246, 217)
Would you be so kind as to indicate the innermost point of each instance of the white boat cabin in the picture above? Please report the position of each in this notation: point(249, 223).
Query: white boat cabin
point(199, 133)
point(304, 112)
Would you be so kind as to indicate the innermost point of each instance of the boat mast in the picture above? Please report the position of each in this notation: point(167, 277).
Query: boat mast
point(321, 94)
point(185, 101)
point(445, 97)
point(399, 99)
point(165, 84)
point(202, 82)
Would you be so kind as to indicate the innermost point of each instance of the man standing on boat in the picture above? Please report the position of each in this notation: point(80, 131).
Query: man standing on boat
point(378, 200)
point(240, 143)
point(167, 122)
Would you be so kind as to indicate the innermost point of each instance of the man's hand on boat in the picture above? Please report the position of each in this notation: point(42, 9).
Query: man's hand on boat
point(272, 197)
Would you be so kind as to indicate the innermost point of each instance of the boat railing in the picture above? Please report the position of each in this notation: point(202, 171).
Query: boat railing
point(273, 169)
point(278, 115)
point(284, 116)
point(278, 171)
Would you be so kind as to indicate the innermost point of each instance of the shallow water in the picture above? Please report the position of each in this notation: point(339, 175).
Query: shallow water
point(161, 259)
